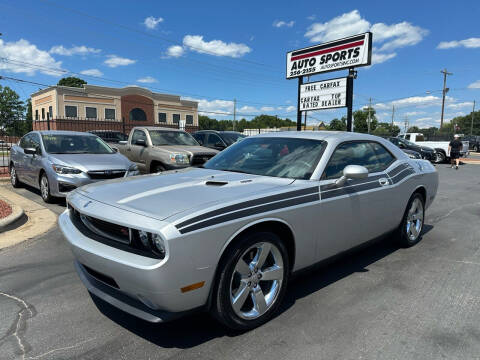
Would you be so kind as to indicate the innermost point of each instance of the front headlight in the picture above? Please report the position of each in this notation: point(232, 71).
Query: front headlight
point(60, 169)
point(132, 170)
point(151, 242)
point(179, 159)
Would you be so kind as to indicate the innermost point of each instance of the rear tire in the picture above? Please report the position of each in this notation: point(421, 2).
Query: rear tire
point(45, 189)
point(14, 177)
point(475, 148)
point(410, 230)
point(252, 280)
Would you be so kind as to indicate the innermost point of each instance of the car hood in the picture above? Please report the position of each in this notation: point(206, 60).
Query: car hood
point(91, 162)
point(165, 194)
point(186, 148)
point(426, 149)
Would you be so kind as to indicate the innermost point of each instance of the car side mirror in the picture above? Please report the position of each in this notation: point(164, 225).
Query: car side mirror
point(401, 146)
point(123, 142)
point(219, 145)
point(352, 172)
point(141, 142)
point(30, 151)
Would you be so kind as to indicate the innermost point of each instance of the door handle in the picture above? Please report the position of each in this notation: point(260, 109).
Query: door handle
point(383, 181)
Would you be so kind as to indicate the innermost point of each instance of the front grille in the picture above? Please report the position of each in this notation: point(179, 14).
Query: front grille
point(110, 234)
point(106, 174)
point(200, 159)
point(63, 187)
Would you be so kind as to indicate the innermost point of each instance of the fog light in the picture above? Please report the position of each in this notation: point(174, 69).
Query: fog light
point(143, 236)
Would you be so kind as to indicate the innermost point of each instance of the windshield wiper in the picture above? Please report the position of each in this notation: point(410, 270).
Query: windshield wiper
point(233, 170)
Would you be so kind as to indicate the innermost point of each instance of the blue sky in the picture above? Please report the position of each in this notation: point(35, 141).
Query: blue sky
point(214, 51)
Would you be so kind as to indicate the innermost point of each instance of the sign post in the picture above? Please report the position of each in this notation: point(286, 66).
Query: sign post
point(346, 53)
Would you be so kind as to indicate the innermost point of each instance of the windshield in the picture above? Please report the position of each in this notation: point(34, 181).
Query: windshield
point(406, 142)
point(271, 156)
point(165, 137)
point(112, 136)
point(231, 138)
point(75, 144)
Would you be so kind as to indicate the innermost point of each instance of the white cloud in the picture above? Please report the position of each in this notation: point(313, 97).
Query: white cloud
point(175, 51)
point(91, 72)
point(467, 43)
point(22, 50)
point(114, 61)
point(151, 22)
point(387, 37)
point(147, 80)
point(215, 47)
point(474, 85)
point(311, 17)
point(414, 113)
point(290, 108)
point(74, 50)
point(378, 58)
point(207, 107)
point(267, 108)
point(281, 23)
point(460, 105)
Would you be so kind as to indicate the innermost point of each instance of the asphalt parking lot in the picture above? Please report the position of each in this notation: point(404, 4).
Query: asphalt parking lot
point(381, 302)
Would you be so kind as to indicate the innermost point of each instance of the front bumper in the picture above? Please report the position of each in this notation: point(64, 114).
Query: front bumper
point(145, 287)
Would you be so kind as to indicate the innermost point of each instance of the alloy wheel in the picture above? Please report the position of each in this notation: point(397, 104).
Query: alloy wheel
point(44, 187)
point(414, 222)
point(256, 280)
point(13, 176)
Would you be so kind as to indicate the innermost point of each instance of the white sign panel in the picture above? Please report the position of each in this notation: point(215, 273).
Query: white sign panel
point(335, 55)
point(327, 94)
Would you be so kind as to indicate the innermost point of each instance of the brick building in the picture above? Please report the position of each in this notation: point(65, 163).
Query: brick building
point(94, 107)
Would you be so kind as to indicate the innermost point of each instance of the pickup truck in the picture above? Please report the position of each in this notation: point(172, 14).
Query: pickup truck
point(440, 147)
point(156, 149)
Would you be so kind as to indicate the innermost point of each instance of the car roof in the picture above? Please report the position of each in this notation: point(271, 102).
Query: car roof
point(157, 128)
point(321, 135)
point(62, 132)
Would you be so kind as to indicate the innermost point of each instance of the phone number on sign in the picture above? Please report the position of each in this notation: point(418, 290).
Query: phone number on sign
point(302, 72)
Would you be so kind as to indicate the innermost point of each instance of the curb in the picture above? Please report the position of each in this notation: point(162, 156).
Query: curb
point(17, 213)
point(40, 219)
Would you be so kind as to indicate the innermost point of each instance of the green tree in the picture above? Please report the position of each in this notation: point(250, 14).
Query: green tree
point(465, 123)
point(11, 110)
point(413, 129)
point(338, 125)
point(72, 82)
point(360, 120)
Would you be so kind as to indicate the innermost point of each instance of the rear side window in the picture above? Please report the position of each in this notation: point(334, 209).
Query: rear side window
point(372, 155)
point(200, 138)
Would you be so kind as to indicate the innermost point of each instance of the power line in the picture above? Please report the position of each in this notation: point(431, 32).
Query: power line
point(444, 92)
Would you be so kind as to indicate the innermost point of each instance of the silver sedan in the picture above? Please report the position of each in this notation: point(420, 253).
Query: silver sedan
point(228, 236)
point(57, 162)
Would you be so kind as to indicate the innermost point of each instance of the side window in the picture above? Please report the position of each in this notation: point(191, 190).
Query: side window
point(407, 137)
point(35, 142)
point(138, 134)
point(25, 142)
point(213, 139)
point(200, 138)
point(369, 154)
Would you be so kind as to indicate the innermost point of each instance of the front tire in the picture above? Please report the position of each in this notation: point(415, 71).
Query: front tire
point(440, 157)
point(45, 189)
point(157, 168)
point(252, 281)
point(410, 231)
point(14, 177)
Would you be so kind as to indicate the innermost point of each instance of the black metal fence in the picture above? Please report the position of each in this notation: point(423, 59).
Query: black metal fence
point(12, 130)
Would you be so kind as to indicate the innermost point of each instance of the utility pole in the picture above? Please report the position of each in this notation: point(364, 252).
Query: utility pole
point(393, 114)
point(406, 124)
point(368, 118)
point(234, 112)
point(445, 90)
point(471, 125)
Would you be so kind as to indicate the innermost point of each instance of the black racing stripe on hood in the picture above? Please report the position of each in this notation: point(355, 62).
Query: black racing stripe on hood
point(253, 211)
point(247, 204)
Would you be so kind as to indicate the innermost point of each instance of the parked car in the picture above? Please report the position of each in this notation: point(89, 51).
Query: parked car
point(440, 147)
point(57, 162)
point(156, 149)
point(217, 140)
point(473, 142)
point(110, 136)
point(228, 236)
point(425, 152)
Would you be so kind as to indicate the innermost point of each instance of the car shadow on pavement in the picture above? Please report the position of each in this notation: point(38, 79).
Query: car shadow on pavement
point(56, 200)
point(199, 328)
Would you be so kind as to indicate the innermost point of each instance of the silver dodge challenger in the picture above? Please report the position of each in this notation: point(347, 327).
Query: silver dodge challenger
point(227, 237)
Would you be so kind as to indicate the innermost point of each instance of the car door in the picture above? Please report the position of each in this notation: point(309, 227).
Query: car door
point(358, 210)
point(137, 151)
point(34, 162)
point(22, 159)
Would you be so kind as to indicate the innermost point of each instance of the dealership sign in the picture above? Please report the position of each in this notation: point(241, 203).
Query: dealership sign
point(340, 54)
point(321, 95)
